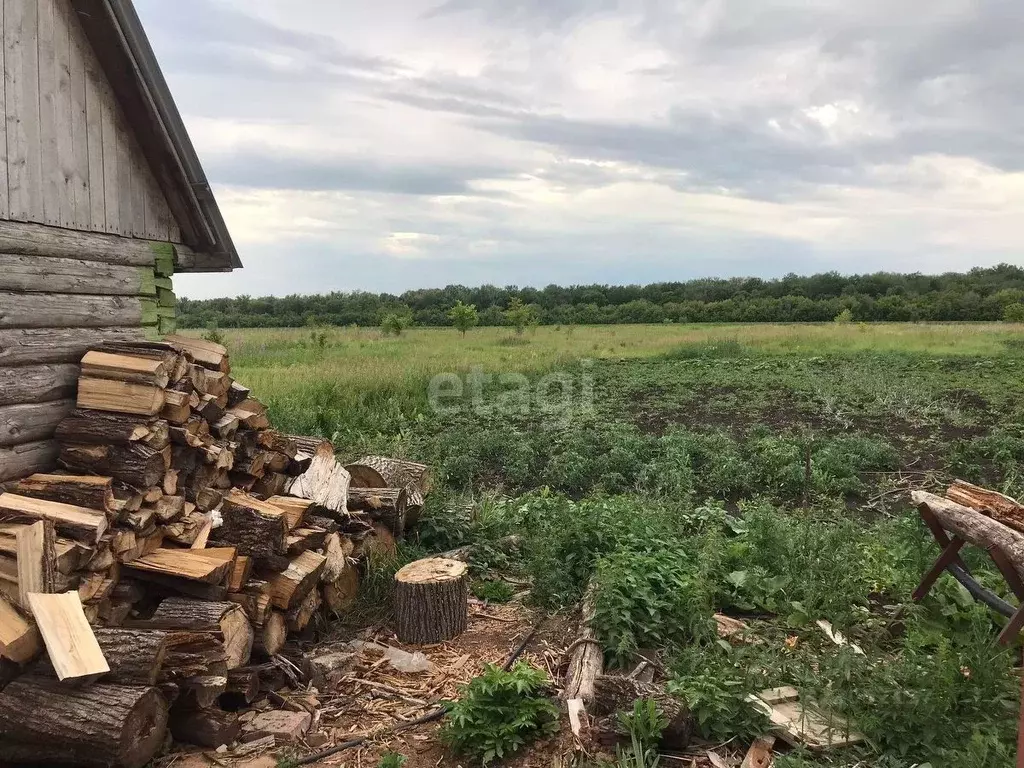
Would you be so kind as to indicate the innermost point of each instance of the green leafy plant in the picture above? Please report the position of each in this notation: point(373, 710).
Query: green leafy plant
point(393, 324)
point(463, 316)
point(213, 334)
point(644, 724)
point(519, 315)
point(846, 316)
point(392, 760)
point(493, 591)
point(499, 712)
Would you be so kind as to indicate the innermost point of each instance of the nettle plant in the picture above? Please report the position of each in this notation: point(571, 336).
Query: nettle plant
point(499, 712)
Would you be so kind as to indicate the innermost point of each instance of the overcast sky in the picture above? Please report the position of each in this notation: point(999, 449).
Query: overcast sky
point(399, 144)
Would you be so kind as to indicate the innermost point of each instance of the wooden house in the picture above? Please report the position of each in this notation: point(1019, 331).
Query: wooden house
point(102, 201)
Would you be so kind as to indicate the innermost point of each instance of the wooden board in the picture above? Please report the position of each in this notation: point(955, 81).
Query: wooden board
point(802, 724)
point(70, 643)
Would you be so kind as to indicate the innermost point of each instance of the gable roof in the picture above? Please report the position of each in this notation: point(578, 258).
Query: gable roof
point(120, 43)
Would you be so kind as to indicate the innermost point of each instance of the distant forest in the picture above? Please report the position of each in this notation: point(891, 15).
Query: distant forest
point(995, 293)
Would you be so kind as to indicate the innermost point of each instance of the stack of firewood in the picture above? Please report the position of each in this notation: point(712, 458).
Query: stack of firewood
point(183, 542)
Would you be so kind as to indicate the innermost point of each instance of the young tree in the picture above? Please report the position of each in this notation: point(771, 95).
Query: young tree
point(518, 315)
point(393, 324)
point(463, 316)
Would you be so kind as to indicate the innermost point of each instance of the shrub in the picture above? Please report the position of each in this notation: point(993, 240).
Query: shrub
point(213, 334)
point(846, 316)
point(393, 324)
point(1014, 313)
point(499, 712)
point(493, 591)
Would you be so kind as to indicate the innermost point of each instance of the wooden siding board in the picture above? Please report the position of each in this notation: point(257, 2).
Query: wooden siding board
point(124, 177)
point(49, 155)
point(63, 117)
point(80, 177)
point(5, 206)
point(111, 176)
point(21, 74)
point(94, 139)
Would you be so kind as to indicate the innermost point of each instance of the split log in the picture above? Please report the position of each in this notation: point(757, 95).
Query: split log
point(340, 595)
point(209, 566)
point(200, 692)
point(68, 638)
point(272, 636)
point(294, 509)
point(431, 601)
point(587, 661)
point(180, 613)
point(103, 725)
point(337, 550)
point(207, 353)
point(193, 653)
point(255, 527)
point(326, 483)
point(132, 369)
point(135, 656)
point(120, 396)
point(288, 588)
point(385, 472)
point(205, 728)
point(91, 427)
point(237, 394)
point(298, 618)
point(136, 465)
point(386, 505)
point(614, 694)
point(177, 407)
point(79, 523)
point(972, 527)
point(77, 490)
point(36, 556)
point(243, 687)
point(19, 639)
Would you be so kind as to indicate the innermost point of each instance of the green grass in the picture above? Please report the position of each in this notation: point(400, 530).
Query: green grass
point(759, 470)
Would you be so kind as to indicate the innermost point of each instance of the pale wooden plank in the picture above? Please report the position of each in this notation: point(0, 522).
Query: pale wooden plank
point(111, 160)
point(81, 217)
point(5, 206)
point(63, 115)
point(31, 422)
point(49, 157)
point(21, 74)
point(94, 137)
point(68, 638)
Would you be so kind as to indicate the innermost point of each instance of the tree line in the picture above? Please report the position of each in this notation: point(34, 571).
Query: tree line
point(992, 293)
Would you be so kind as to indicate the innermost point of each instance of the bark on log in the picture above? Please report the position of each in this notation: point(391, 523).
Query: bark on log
point(386, 505)
point(37, 384)
point(135, 656)
point(31, 421)
point(587, 660)
point(431, 601)
point(22, 460)
point(974, 527)
point(255, 527)
point(103, 725)
point(202, 616)
point(1007, 511)
point(38, 346)
point(89, 427)
point(136, 465)
point(87, 491)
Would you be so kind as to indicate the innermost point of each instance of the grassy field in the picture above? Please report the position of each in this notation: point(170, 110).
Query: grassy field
point(761, 471)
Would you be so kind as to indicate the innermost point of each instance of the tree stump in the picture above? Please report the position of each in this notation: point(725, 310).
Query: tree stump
point(431, 600)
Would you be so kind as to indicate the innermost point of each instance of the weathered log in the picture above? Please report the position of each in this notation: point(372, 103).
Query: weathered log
point(21, 460)
point(62, 310)
point(39, 346)
point(31, 421)
point(30, 274)
point(431, 600)
point(50, 242)
point(200, 692)
point(136, 465)
point(386, 505)
point(243, 686)
point(289, 587)
point(87, 491)
point(298, 618)
point(255, 527)
point(326, 483)
point(193, 653)
point(587, 661)
point(37, 384)
point(340, 595)
point(974, 527)
point(104, 725)
point(614, 694)
point(90, 427)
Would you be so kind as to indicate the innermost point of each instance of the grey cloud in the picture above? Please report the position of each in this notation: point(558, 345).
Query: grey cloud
point(269, 169)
